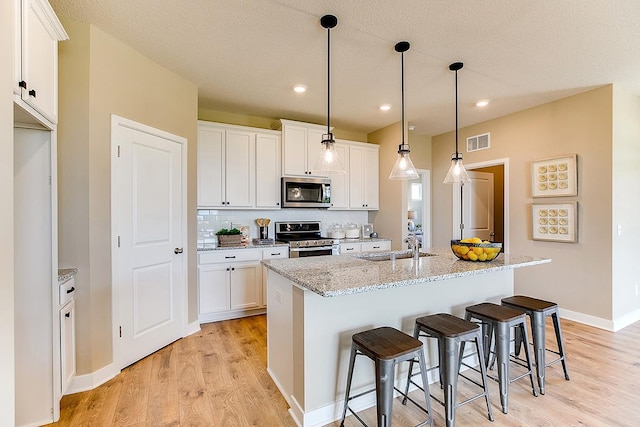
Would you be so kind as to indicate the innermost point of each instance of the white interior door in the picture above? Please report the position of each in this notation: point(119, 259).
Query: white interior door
point(478, 205)
point(149, 233)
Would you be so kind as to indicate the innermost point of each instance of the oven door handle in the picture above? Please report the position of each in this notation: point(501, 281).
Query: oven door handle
point(315, 248)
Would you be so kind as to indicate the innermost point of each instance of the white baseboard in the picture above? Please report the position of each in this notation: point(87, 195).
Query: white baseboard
point(228, 315)
point(92, 380)
point(192, 328)
point(587, 319)
point(626, 320)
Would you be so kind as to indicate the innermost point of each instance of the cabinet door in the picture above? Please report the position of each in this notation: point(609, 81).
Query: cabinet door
point(211, 167)
point(267, 171)
point(371, 185)
point(340, 182)
point(246, 286)
point(240, 168)
point(213, 288)
point(294, 150)
point(314, 146)
point(39, 59)
point(67, 345)
point(356, 178)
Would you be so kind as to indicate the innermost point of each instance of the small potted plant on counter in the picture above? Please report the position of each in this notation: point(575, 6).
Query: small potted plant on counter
point(231, 237)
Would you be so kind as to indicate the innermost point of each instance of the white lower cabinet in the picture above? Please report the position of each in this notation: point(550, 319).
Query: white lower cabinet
point(230, 282)
point(349, 248)
point(67, 345)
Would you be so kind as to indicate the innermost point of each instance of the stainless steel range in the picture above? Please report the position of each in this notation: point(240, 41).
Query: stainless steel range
point(304, 238)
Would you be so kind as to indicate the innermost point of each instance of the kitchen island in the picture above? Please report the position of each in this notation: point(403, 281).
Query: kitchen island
point(315, 305)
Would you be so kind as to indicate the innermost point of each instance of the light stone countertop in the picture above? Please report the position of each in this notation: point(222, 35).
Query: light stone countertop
point(331, 276)
point(245, 246)
point(65, 274)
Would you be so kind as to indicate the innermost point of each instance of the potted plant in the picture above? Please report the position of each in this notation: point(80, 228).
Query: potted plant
point(231, 237)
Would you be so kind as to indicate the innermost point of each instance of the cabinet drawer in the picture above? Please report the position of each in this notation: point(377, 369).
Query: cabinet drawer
point(277, 252)
point(376, 246)
point(349, 248)
point(238, 255)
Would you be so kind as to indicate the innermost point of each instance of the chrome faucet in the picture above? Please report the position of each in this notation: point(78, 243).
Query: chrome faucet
point(414, 245)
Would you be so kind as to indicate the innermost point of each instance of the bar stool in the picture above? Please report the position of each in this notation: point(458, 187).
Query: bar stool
point(386, 347)
point(450, 331)
point(497, 322)
point(538, 310)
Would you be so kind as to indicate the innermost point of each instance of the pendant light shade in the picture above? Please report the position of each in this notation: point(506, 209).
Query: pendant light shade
point(457, 173)
point(329, 161)
point(403, 167)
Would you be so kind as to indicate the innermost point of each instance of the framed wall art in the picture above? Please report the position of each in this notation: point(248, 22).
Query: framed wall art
point(555, 222)
point(555, 177)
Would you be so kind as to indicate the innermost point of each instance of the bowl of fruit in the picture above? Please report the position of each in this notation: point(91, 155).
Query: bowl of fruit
point(475, 249)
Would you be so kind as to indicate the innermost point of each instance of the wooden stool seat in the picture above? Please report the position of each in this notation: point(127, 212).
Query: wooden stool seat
point(497, 321)
point(538, 310)
point(451, 331)
point(386, 347)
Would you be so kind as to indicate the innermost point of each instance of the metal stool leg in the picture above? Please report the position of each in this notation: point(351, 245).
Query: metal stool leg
point(352, 362)
point(556, 325)
point(527, 352)
point(483, 372)
point(539, 338)
point(450, 367)
point(425, 385)
point(384, 391)
point(502, 352)
point(416, 335)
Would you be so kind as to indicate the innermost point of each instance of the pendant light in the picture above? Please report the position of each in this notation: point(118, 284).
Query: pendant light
point(403, 167)
point(457, 173)
point(329, 161)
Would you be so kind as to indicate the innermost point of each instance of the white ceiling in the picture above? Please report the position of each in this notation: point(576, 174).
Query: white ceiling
point(246, 55)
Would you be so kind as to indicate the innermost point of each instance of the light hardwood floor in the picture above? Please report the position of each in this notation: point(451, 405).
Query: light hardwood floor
point(218, 377)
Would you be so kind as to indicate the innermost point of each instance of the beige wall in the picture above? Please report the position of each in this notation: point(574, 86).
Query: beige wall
point(7, 394)
point(100, 76)
point(626, 204)
point(579, 278)
point(265, 123)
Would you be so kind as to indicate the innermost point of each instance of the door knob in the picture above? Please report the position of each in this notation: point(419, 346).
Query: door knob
point(177, 251)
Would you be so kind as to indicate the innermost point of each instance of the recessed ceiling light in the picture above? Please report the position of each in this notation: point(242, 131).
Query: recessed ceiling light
point(299, 88)
point(385, 107)
point(482, 103)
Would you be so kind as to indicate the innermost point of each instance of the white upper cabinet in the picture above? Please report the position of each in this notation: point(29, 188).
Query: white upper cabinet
point(340, 182)
point(363, 177)
point(225, 167)
point(38, 31)
point(268, 170)
point(301, 144)
point(238, 167)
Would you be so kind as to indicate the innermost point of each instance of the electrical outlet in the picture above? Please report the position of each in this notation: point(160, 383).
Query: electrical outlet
point(279, 294)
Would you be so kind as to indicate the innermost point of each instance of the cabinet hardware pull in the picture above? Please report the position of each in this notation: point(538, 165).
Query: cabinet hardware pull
point(233, 269)
point(71, 290)
point(32, 92)
point(67, 315)
point(177, 251)
point(275, 254)
point(22, 84)
point(349, 249)
point(230, 257)
point(376, 247)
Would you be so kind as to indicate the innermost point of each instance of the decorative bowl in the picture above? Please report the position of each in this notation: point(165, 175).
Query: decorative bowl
point(475, 249)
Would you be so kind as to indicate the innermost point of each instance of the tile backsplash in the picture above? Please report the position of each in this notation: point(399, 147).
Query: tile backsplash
point(212, 220)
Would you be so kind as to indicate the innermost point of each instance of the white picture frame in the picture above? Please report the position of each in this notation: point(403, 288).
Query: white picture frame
point(555, 222)
point(555, 177)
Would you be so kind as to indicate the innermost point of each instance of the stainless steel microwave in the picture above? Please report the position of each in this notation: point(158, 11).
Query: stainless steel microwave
point(306, 192)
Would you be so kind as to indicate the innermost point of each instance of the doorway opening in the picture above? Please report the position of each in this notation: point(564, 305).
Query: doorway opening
point(474, 210)
point(419, 207)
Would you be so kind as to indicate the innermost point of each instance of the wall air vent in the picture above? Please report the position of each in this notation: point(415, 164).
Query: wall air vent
point(479, 142)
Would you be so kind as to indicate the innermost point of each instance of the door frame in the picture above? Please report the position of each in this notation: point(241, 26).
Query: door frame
point(504, 162)
point(117, 121)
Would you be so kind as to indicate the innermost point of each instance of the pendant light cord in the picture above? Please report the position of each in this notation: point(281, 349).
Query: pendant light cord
point(328, 80)
point(457, 155)
point(402, 98)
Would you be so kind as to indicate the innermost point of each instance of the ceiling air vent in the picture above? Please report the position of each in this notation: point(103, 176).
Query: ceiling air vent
point(478, 142)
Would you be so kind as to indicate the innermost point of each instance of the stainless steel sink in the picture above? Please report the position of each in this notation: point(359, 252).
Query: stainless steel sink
point(387, 256)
